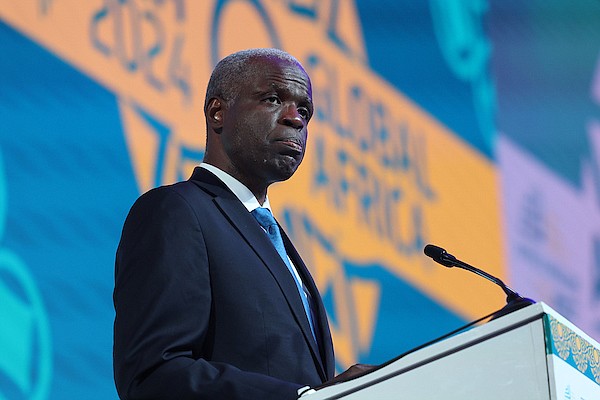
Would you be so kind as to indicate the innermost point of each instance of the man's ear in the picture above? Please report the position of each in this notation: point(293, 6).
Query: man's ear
point(214, 114)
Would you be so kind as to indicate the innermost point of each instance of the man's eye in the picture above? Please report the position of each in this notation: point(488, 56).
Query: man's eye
point(304, 113)
point(273, 99)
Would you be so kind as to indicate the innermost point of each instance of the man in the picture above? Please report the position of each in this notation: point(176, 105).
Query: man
point(206, 306)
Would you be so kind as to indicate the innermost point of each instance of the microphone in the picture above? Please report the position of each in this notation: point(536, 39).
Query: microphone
point(514, 300)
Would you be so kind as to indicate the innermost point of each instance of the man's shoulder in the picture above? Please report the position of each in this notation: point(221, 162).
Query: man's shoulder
point(184, 190)
point(196, 193)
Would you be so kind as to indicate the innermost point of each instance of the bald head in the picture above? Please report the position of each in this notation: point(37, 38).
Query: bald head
point(235, 69)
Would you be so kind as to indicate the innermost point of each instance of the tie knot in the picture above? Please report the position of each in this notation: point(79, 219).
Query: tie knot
point(264, 217)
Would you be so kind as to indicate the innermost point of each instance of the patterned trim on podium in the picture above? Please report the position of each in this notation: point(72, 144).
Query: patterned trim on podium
point(572, 348)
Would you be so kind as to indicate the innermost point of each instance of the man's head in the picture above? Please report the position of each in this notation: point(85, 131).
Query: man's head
point(257, 108)
point(235, 69)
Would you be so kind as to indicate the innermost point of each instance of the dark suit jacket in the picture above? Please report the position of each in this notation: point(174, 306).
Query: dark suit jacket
point(205, 307)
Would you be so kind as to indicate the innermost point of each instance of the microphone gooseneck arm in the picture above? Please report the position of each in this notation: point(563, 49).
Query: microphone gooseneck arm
point(513, 299)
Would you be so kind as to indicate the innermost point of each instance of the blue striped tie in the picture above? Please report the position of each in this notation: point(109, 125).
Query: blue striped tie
point(267, 221)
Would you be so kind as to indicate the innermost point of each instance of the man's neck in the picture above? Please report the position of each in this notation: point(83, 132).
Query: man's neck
point(244, 193)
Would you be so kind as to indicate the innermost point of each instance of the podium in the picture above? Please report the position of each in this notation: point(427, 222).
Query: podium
point(531, 354)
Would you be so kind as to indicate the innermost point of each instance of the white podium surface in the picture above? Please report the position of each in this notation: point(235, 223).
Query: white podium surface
point(530, 354)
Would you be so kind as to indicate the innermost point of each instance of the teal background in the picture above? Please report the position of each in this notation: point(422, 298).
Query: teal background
point(68, 184)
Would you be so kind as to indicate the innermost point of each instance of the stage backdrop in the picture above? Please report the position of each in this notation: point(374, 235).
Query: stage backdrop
point(473, 125)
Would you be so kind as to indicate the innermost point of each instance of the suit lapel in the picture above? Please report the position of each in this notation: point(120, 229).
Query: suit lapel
point(326, 346)
point(235, 212)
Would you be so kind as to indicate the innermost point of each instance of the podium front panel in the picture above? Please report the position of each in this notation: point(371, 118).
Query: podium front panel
point(508, 366)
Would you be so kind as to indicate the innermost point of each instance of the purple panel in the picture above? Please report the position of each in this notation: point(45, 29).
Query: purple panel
point(553, 233)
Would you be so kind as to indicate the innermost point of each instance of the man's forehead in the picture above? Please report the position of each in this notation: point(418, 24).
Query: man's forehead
point(277, 64)
point(280, 73)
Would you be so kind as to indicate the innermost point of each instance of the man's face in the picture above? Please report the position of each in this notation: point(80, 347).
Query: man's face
point(265, 129)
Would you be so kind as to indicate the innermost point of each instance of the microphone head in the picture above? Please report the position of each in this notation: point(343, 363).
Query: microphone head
point(439, 255)
point(433, 251)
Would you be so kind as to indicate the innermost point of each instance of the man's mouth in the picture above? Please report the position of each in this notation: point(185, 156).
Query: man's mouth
point(291, 144)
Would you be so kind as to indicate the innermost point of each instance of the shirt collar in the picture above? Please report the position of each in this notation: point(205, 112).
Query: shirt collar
point(238, 188)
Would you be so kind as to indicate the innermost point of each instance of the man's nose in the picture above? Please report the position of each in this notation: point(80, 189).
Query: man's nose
point(291, 117)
